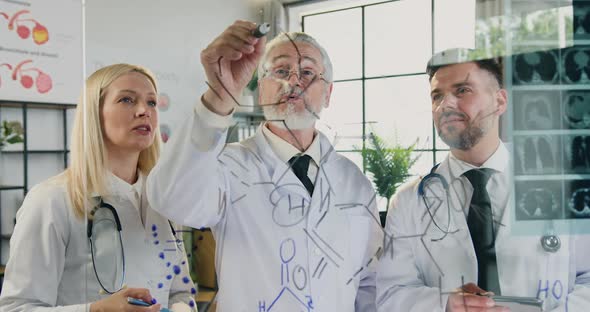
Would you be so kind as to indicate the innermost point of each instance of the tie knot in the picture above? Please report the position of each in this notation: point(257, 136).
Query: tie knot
point(300, 163)
point(479, 177)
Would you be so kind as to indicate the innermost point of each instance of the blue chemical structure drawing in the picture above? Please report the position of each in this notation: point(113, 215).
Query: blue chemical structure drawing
point(287, 298)
point(171, 257)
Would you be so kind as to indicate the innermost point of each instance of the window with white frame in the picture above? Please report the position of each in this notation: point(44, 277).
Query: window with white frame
point(379, 53)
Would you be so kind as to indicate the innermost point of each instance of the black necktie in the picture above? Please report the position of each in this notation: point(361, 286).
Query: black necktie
point(481, 227)
point(300, 165)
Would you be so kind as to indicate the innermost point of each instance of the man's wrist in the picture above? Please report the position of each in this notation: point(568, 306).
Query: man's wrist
point(215, 104)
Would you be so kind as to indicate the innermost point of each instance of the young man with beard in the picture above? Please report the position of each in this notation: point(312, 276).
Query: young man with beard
point(448, 240)
point(296, 224)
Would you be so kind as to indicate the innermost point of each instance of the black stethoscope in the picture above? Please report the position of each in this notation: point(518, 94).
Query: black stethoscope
point(550, 243)
point(432, 175)
point(89, 227)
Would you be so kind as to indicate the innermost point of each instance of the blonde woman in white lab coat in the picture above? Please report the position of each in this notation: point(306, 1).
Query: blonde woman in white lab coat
point(115, 144)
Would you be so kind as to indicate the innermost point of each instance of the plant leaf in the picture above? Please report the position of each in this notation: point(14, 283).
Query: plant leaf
point(389, 165)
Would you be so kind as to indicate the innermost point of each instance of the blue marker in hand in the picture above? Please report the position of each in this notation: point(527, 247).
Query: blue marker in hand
point(139, 302)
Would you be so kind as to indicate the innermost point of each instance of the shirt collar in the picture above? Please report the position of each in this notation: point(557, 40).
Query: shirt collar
point(286, 151)
point(121, 187)
point(498, 161)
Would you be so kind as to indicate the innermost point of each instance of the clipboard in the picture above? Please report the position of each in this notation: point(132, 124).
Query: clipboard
point(519, 304)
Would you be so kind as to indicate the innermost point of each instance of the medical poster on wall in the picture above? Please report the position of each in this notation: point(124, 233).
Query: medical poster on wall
point(41, 50)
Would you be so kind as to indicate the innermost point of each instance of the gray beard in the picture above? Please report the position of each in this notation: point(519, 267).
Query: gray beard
point(289, 119)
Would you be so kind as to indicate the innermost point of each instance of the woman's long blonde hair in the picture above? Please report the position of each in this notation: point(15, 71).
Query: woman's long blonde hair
point(87, 172)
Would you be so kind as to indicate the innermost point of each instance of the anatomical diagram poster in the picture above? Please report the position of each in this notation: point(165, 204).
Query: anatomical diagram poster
point(41, 51)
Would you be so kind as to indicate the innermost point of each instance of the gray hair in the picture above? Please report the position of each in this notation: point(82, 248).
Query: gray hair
point(296, 37)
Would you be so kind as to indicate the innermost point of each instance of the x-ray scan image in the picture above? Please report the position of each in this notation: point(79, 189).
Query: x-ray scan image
point(537, 154)
point(577, 154)
point(576, 65)
point(538, 200)
point(535, 68)
point(582, 21)
point(536, 110)
point(578, 199)
point(577, 109)
point(538, 203)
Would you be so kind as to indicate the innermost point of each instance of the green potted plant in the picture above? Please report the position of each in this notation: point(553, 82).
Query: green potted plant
point(11, 132)
point(388, 165)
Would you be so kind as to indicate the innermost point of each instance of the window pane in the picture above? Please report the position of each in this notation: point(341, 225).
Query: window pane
point(422, 165)
point(340, 34)
point(398, 38)
point(43, 166)
point(441, 155)
point(344, 117)
point(355, 157)
point(14, 114)
point(48, 137)
point(450, 31)
point(399, 110)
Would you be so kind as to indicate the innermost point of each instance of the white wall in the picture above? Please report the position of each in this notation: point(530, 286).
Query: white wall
point(165, 36)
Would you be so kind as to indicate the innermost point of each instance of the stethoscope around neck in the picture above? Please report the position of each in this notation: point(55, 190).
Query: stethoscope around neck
point(550, 242)
point(432, 175)
point(89, 227)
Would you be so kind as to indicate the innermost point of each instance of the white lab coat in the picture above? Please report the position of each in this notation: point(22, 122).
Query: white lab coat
point(415, 272)
point(277, 248)
point(50, 266)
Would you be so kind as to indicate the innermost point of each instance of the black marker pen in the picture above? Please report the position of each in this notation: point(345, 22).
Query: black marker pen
point(261, 30)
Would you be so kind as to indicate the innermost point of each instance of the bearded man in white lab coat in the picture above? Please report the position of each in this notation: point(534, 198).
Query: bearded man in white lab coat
point(295, 223)
point(442, 247)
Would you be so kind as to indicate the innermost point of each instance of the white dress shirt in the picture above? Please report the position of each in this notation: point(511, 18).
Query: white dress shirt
point(285, 151)
point(498, 185)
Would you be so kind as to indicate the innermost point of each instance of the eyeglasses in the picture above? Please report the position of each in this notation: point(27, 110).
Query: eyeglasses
point(305, 76)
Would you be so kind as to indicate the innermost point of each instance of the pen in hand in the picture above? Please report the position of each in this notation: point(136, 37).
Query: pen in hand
point(471, 288)
point(139, 302)
point(261, 30)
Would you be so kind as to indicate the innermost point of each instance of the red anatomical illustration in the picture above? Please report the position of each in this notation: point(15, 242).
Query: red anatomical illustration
point(164, 132)
point(26, 81)
point(23, 32)
point(43, 82)
point(163, 102)
point(23, 73)
point(23, 26)
point(7, 66)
